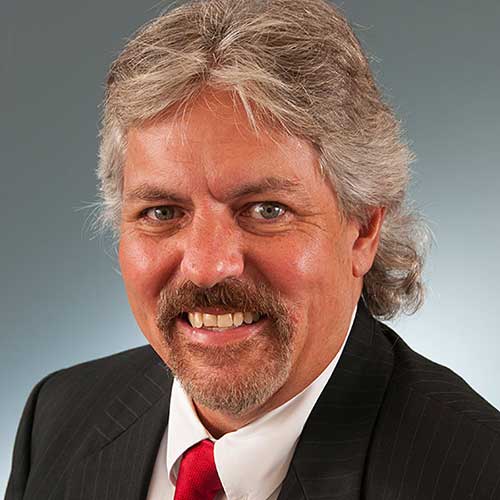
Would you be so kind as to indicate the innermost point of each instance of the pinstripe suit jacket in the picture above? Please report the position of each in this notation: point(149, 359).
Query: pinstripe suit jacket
point(389, 425)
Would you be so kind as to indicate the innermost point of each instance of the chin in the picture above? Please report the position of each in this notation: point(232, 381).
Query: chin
point(231, 379)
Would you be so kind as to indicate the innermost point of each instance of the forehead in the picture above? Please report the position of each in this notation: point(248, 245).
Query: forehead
point(212, 143)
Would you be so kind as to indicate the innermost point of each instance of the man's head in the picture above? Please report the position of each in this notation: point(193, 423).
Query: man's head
point(247, 163)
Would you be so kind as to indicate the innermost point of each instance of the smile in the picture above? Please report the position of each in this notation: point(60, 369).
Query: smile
point(212, 329)
point(228, 320)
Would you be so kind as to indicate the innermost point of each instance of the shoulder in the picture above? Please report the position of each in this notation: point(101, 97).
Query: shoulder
point(78, 395)
point(96, 375)
point(435, 437)
point(129, 360)
point(424, 379)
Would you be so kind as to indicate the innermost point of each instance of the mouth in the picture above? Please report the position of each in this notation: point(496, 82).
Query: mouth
point(219, 327)
point(235, 319)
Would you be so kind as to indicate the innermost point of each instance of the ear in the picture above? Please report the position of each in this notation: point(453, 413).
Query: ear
point(366, 244)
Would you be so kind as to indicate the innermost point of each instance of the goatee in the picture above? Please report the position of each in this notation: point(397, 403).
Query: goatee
point(237, 377)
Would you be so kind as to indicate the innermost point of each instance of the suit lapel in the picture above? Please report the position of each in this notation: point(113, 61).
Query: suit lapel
point(330, 456)
point(119, 455)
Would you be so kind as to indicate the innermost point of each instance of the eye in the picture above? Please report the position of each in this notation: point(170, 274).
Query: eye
point(162, 213)
point(267, 210)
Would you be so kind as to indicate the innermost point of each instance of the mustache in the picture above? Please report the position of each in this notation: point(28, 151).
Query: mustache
point(230, 293)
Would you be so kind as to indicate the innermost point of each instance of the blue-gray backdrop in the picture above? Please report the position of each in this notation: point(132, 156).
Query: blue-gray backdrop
point(62, 300)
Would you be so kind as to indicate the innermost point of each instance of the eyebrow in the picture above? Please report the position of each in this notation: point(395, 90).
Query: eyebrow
point(275, 184)
point(149, 192)
point(152, 193)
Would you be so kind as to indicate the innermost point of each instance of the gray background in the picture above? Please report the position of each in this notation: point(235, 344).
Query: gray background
point(62, 300)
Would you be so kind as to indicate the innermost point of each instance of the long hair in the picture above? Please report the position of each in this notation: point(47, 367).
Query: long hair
point(294, 65)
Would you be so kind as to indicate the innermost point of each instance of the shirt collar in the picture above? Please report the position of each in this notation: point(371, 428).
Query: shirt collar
point(265, 446)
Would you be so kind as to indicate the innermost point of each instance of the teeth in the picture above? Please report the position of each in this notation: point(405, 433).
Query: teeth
point(210, 319)
point(224, 320)
point(248, 318)
point(237, 319)
point(198, 319)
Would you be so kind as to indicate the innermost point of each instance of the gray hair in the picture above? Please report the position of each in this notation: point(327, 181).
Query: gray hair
point(295, 65)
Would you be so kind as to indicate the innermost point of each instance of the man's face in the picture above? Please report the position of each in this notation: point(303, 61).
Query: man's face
point(219, 226)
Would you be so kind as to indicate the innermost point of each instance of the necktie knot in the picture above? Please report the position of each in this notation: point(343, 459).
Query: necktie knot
point(198, 478)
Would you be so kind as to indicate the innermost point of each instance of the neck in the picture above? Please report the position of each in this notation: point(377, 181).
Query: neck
point(219, 423)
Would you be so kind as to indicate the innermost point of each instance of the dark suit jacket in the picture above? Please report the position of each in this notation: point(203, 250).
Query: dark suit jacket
point(389, 425)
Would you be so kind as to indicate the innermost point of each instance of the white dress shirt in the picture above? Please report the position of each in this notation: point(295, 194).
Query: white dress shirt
point(252, 462)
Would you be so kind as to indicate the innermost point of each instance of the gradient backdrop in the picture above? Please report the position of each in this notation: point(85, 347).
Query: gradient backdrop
point(62, 300)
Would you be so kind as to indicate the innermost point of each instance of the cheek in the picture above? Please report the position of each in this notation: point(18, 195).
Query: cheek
point(302, 269)
point(145, 267)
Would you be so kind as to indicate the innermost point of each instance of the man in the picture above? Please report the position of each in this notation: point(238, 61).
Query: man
point(256, 183)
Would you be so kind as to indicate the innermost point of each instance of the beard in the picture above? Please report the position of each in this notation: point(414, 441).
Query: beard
point(238, 377)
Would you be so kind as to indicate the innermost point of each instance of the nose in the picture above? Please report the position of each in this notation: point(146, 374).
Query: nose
point(212, 252)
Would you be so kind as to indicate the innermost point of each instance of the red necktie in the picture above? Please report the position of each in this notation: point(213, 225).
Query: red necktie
point(198, 478)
